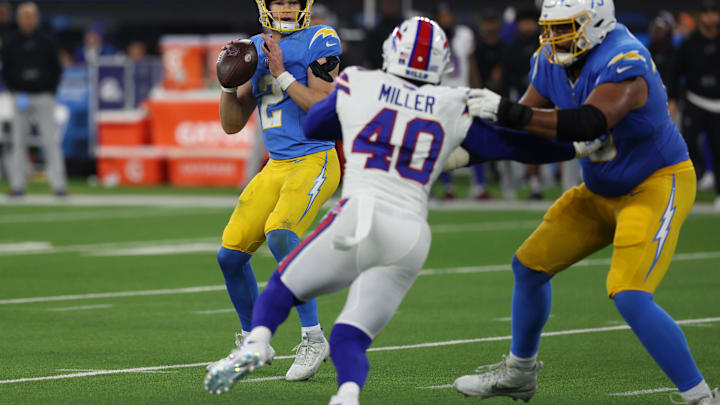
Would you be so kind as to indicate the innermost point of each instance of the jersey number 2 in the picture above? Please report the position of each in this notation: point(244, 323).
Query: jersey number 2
point(374, 140)
point(274, 95)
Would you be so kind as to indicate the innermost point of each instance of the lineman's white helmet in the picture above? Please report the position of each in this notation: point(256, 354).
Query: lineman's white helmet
point(589, 22)
point(417, 49)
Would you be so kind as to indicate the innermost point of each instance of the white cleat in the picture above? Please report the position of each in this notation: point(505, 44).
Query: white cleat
point(713, 399)
point(501, 379)
point(308, 358)
point(238, 344)
point(223, 374)
point(344, 400)
point(347, 394)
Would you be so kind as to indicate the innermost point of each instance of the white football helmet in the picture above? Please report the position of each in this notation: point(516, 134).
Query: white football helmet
point(417, 49)
point(269, 21)
point(587, 23)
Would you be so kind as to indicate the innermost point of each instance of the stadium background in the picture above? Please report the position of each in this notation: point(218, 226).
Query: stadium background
point(142, 64)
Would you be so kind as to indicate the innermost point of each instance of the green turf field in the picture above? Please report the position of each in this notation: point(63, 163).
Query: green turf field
point(161, 311)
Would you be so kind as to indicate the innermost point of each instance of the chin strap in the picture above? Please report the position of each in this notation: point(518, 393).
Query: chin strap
point(323, 71)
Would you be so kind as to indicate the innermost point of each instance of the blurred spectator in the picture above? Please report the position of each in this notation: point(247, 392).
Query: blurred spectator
point(136, 51)
point(662, 46)
point(685, 27)
point(66, 58)
point(6, 25)
point(488, 53)
point(516, 64)
point(465, 74)
point(31, 70)
point(697, 67)
point(516, 56)
point(390, 17)
point(321, 15)
point(93, 45)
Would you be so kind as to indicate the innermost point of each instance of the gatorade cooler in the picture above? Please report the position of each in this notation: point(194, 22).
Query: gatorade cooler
point(183, 61)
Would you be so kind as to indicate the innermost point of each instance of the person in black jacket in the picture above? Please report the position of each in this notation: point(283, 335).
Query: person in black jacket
point(31, 71)
point(696, 66)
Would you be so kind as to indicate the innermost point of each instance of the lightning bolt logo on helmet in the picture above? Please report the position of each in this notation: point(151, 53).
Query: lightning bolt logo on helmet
point(272, 21)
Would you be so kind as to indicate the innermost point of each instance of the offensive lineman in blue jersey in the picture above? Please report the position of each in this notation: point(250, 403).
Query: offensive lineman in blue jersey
point(637, 191)
point(296, 67)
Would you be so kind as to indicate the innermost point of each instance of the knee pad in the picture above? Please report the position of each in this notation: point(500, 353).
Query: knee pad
point(281, 242)
point(632, 303)
point(526, 275)
point(232, 261)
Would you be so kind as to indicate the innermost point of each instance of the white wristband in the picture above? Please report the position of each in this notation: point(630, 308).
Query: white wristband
point(231, 90)
point(285, 80)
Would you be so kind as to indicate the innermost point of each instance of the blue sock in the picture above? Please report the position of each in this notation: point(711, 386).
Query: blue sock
point(661, 337)
point(240, 282)
point(281, 242)
point(532, 299)
point(348, 345)
point(274, 304)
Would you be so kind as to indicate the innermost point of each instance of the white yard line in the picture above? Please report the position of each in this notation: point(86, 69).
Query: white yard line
point(90, 369)
point(428, 272)
point(375, 349)
point(15, 248)
point(94, 248)
point(436, 387)
point(159, 250)
point(81, 308)
point(642, 392)
point(205, 245)
point(214, 311)
point(102, 215)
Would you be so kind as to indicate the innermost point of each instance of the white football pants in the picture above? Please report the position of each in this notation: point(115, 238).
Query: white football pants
point(370, 245)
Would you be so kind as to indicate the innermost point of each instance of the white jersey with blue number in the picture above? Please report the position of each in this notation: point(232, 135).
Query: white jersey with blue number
point(397, 136)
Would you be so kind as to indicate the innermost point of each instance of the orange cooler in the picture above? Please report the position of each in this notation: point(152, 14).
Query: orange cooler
point(183, 61)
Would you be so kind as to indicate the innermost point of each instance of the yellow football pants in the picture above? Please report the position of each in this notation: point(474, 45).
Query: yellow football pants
point(286, 194)
point(643, 227)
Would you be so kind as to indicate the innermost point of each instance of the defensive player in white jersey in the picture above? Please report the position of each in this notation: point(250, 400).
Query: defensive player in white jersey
point(399, 130)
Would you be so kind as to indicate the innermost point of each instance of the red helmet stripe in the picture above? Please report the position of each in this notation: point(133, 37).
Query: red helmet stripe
point(420, 57)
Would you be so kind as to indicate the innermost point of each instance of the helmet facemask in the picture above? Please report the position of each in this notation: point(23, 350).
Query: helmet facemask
point(553, 44)
point(271, 20)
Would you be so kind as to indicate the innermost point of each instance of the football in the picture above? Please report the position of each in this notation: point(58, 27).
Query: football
point(237, 63)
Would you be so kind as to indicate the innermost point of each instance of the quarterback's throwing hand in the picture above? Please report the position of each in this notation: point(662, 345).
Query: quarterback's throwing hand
point(484, 103)
point(274, 56)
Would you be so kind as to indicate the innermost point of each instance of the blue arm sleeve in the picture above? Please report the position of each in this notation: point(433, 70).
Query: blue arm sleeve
point(488, 142)
point(322, 121)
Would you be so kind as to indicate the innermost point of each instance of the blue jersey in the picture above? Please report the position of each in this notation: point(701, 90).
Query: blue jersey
point(281, 118)
point(645, 141)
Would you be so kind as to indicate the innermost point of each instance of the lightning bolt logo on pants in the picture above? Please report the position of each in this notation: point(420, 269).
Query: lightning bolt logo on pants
point(317, 186)
point(664, 230)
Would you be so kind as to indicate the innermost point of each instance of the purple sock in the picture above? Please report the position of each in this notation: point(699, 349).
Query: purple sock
point(347, 349)
point(274, 304)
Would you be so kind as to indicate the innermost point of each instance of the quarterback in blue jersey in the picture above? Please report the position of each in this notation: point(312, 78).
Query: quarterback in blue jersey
point(637, 192)
point(297, 64)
